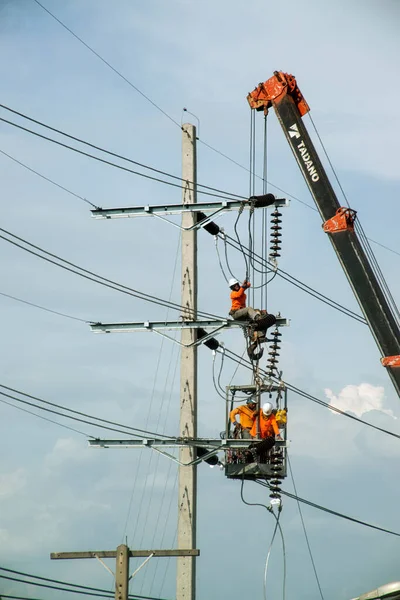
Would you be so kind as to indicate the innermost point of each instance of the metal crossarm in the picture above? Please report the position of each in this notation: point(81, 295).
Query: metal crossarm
point(215, 444)
point(212, 446)
point(160, 326)
point(156, 326)
point(176, 209)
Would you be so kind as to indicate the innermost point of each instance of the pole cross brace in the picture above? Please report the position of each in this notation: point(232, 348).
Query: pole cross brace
point(132, 553)
point(158, 326)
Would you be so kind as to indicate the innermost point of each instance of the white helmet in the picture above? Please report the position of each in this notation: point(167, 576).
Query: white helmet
point(267, 409)
point(232, 282)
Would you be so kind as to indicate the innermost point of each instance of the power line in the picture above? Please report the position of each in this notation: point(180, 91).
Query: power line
point(139, 432)
point(97, 278)
point(248, 365)
point(157, 106)
point(332, 512)
point(176, 122)
point(110, 153)
point(19, 162)
point(76, 585)
point(87, 435)
point(71, 591)
point(55, 312)
point(304, 529)
point(290, 279)
point(97, 158)
point(246, 252)
point(277, 524)
point(108, 64)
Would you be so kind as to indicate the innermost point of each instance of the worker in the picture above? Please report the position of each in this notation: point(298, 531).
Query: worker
point(246, 414)
point(238, 309)
point(265, 423)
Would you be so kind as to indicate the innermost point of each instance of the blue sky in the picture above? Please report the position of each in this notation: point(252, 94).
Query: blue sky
point(55, 493)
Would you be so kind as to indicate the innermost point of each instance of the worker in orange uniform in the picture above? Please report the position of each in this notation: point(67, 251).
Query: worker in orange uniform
point(247, 413)
point(239, 311)
point(265, 423)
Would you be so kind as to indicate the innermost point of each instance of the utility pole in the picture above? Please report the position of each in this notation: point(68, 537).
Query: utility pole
point(187, 487)
point(122, 555)
point(193, 332)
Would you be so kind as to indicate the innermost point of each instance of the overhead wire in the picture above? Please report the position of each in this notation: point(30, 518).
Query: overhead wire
point(185, 182)
point(247, 364)
point(221, 395)
point(137, 432)
point(277, 525)
point(49, 310)
point(64, 583)
point(168, 474)
point(144, 508)
point(87, 435)
point(109, 65)
point(91, 276)
point(137, 89)
point(296, 282)
point(19, 162)
point(332, 512)
point(84, 592)
point(304, 529)
point(362, 236)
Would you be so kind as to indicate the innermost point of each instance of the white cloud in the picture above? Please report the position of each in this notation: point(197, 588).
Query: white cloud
point(67, 450)
point(12, 483)
point(359, 399)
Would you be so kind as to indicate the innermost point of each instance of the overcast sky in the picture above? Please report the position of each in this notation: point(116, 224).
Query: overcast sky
point(55, 493)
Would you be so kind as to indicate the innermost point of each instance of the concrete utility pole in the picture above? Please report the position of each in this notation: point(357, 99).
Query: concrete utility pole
point(187, 490)
point(122, 555)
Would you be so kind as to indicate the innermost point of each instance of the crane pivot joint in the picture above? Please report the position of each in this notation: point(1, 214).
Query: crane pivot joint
point(391, 361)
point(342, 221)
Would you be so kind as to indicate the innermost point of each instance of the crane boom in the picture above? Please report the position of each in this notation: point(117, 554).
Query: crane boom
point(282, 93)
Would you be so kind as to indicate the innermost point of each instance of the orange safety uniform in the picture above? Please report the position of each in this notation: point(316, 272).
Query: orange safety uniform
point(238, 298)
point(268, 426)
point(246, 416)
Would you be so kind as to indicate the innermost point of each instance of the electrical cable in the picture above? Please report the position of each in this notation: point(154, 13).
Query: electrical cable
point(55, 312)
point(142, 504)
point(269, 509)
point(248, 365)
point(108, 162)
point(297, 283)
point(76, 585)
point(138, 432)
point(363, 238)
point(284, 555)
point(304, 529)
point(103, 60)
point(332, 512)
point(337, 410)
point(47, 178)
point(168, 116)
point(72, 591)
point(104, 281)
point(185, 182)
point(87, 435)
point(213, 377)
point(378, 273)
point(239, 242)
point(216, 238)
point(156, 105)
